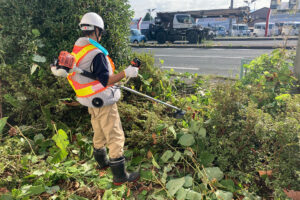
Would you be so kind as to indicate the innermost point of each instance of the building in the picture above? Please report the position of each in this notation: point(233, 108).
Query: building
point(257, 16)
point(293, 4)
point(284, 6)
point(275, 4)
point(284, 11)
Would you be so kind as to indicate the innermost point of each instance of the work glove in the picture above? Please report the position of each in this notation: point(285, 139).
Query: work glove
point(131, 71)
point(58, 72)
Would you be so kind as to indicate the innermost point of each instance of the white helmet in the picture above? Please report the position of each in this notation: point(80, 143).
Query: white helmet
point(91, 20)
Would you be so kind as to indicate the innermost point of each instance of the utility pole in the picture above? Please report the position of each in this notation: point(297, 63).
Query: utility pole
point(230, 19)
point(297, 59)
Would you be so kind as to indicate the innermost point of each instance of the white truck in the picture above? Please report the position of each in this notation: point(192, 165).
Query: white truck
point(260, 29)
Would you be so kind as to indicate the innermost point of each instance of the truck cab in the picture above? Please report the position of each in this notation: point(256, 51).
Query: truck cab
point(176, 26)
point(183, 21)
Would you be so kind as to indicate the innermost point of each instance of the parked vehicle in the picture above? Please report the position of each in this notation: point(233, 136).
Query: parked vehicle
point(291, 28)
point(173, 26)
point(240, 30)
point(260, 29)
point(136, 36)
point(220, 31)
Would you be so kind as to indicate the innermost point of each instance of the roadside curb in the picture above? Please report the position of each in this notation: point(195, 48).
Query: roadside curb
point(254, 39)
point(211, 46)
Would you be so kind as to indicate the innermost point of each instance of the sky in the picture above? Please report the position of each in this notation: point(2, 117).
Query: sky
point(140, 6)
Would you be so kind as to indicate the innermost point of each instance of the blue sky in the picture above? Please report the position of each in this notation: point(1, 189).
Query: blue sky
point(140, 6)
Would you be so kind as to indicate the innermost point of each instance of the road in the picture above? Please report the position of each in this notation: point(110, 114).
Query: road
point(259, 43)
point(221, 62)
point(276, 43)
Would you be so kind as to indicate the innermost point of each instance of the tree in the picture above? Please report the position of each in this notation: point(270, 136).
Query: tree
point(148, 17)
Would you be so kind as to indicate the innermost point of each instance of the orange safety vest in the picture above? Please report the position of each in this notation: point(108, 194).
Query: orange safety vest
point(91, 88)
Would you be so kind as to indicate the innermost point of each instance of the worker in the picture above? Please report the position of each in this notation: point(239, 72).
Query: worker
point(100, 97)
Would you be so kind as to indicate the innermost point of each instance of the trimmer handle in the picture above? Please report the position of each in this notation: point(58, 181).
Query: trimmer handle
point(136, 63)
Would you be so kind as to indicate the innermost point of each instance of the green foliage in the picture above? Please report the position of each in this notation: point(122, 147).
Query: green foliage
point(61, 141)
point(230, 132)
point(174, 185)
point(2, 124)
point(148, 17)
point(187, 140)
point(40, 30)
point(270, 76)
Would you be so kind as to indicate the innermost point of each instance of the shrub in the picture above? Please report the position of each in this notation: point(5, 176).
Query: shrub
point(32, 34)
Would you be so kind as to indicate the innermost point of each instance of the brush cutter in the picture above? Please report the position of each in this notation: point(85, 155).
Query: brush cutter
point(66, 64)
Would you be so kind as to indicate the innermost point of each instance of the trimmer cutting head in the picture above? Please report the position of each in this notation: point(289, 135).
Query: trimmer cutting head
point(179, 114)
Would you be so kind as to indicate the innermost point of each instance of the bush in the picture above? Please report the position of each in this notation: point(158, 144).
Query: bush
point(270, 76)
point(32, 34)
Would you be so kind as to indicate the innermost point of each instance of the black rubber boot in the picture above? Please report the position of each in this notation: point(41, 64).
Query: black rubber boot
point(119, 172)
point(100, 156)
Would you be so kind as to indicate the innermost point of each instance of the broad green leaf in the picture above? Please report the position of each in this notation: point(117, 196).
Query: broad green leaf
point(164, 177)
point(36, 32)
point(229, 184)
point(192, 195)
point(194, 98)
point(2, 123)
point(39, 172)
point(172, 130)
point(146, 175)
point(188, 181)
point(155, 163)
point(206, 158)
point(29, 190)
point(76, 197)
point(187, 140)
point(222, 195)
point(181, 194)
point(157, 197)
point(169, 167)
point(160, 127)
point(195, 126)
point(11, 100)
point(174, 185)
point(59, 156)
point(53, 189)
point(38, 58)
point(38, 138)
point(61, 139)
point(177, 156)
point(166, 156)
point(33, 68)
point(103, 182)
point(188, 153)
point(202, 132)
point(213, 173)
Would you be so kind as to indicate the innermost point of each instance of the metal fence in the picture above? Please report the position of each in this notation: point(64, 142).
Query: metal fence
point(244, 70)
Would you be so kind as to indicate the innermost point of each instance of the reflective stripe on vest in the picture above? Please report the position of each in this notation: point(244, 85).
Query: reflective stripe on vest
point(91, 88)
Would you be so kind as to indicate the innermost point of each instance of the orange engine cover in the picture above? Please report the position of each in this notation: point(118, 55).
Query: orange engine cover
point(66, 59)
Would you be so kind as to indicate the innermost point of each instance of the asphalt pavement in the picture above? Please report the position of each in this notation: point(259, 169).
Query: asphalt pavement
point(260, 43)
point(220, 62)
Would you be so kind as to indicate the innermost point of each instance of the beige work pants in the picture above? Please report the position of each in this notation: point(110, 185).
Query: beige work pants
point(108, 129)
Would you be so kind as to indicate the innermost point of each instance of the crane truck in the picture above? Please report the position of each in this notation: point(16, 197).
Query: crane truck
point(172, 27)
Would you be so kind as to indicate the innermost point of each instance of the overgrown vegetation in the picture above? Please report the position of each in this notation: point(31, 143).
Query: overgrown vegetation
point(238, 139)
